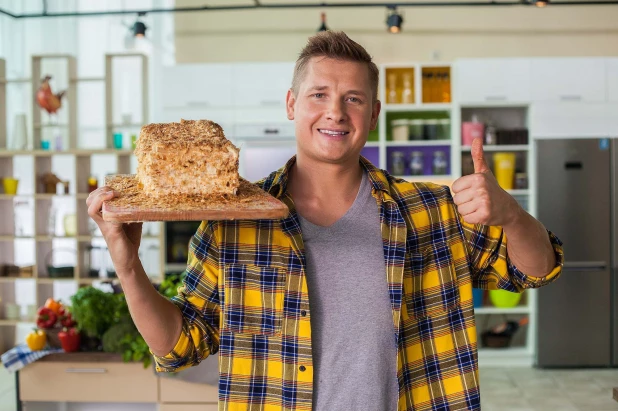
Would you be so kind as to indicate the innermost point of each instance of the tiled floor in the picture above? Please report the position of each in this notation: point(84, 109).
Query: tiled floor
point(509, 389)
point(524, 389)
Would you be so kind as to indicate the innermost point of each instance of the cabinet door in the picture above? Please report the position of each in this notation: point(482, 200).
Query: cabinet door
point(262, 84)
point(197, 86)
point(612, 119)
point(569, 120)
point(612, 80)
point(493, 80)
point(568, 80)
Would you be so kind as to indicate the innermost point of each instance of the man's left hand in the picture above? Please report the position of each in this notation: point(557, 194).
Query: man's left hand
point(479, 198)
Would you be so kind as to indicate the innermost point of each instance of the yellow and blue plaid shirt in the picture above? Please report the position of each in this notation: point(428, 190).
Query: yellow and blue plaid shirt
point(245, 296)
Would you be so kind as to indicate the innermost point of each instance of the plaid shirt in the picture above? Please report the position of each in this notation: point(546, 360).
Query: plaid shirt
point(245, 296)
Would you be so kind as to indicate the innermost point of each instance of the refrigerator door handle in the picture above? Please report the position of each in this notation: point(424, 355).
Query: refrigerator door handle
point(584, 266)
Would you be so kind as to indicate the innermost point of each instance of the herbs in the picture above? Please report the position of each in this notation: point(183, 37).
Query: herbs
point(94, 311)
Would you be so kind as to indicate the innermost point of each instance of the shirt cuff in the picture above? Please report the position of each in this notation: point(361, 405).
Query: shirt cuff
point(526, 281)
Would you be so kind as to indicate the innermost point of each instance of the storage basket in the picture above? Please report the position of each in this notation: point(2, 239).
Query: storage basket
point(59, 271)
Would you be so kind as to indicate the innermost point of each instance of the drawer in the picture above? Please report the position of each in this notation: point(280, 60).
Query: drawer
point(87, 382)
point(178, 391)
point(188, 407)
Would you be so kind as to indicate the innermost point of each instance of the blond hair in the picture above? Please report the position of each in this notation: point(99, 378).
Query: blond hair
point(335, 45)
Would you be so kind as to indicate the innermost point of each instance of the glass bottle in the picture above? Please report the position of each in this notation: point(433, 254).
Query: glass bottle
point(417, 163)
point(446, 87)
point(439, 164)
point(398, 166)
point(391, 89)
point(407, 96)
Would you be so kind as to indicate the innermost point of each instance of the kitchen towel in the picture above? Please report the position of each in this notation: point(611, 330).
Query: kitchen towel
point(19, 356)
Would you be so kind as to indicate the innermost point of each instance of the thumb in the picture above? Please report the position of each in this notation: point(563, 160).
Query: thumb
point(480, 166)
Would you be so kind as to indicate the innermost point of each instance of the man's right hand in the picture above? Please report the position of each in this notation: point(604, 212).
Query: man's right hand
point(122, 240)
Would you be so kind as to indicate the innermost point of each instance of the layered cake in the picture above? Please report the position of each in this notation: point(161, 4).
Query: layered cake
point(192, 157)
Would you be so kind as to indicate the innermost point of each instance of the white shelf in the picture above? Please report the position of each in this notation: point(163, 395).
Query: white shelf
point(519, 192)
point(497, 104)
point(506, 311)
point(397, 108)
point(498, 147)
point(127, 125)
point(372, 144)
point(77, 152)
point(426, 177)
point(505, 357)
point(418, 143)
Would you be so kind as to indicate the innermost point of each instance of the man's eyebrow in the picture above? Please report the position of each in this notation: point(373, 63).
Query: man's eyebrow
point(318, 88)
point(357, 92)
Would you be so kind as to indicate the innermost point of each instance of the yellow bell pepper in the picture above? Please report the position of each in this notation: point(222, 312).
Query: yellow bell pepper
point(36, 340)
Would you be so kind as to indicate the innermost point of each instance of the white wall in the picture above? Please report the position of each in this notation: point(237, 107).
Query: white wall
point(453, 32)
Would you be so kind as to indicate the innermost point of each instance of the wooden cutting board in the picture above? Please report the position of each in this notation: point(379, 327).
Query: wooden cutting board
point(133, 205)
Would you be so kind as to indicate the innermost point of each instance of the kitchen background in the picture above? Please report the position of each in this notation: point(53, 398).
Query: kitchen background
point(524, 77)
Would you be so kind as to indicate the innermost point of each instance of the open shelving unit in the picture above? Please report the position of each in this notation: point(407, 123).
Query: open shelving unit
point(54, 228)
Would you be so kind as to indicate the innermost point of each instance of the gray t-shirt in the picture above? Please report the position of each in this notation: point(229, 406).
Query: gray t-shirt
point(354, 345)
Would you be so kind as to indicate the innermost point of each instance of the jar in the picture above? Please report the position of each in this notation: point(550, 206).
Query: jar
point(439, 164)
point(398, 166)
point(416, 129)
point(400, 130)
point(417, 163)
point(92, 184)
point(430, 130)
point(521, 181)
point(444, 129)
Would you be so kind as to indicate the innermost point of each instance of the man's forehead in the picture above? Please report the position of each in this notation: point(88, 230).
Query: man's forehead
point(322, 70)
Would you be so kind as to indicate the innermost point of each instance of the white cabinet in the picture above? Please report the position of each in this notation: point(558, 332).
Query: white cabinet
point(568, 79)
point(493, 80)
point(262, 84)
point(197, 86)
point(570, 120)
point(612, 119)
point(611, 66)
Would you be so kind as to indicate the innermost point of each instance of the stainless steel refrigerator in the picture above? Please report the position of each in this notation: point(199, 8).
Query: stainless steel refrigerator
point(578, 200)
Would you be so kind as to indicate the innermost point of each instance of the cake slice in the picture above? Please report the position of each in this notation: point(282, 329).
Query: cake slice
point(192, 157)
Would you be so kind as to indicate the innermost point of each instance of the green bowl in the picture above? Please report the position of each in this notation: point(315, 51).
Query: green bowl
point(504, 299)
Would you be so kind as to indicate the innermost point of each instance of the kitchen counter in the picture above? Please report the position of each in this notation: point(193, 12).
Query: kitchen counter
point(93, 356)
point(616, 393)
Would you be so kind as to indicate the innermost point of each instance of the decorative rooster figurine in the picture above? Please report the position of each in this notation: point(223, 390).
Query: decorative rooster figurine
point(46, 99)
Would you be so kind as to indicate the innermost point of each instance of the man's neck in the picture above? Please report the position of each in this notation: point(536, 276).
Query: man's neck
point(323, 192)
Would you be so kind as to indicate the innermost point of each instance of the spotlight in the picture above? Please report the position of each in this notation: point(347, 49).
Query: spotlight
point(323, 25)
point(394, 20)
point(541, 3)
point(139, 28)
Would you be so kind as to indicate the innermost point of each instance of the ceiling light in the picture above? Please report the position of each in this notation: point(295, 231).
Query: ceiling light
point(541, 3)
point(394, 20)
point(139, 28)
point(323, 25)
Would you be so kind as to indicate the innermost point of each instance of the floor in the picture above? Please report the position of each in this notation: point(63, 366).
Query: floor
point(510, 389)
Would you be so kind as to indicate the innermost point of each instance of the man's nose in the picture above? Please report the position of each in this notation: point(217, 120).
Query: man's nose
point(336, 111)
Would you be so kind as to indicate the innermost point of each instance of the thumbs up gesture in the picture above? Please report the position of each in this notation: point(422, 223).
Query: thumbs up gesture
point(479, 198)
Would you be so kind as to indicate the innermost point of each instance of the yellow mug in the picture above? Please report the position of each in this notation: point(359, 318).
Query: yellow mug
point(504, 169)
point(10, 185)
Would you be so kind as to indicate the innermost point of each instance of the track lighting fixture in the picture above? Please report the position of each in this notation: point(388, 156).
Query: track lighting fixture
point(139, 28)
point(541, 3)
point(394, 20)
point(323, 25)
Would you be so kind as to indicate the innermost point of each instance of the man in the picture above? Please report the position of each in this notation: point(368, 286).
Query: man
point(361, 298)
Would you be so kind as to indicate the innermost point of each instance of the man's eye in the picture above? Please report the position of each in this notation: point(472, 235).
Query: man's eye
point(318, 95)
point(354, 99)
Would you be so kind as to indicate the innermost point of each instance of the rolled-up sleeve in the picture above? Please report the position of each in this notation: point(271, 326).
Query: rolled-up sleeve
point(491, 266)
point(198, 300)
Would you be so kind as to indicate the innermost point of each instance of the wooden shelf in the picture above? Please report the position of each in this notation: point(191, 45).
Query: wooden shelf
point(519, 192)
point(417, 107)
point(75, 152)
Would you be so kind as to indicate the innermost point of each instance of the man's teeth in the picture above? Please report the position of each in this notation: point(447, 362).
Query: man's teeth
point(334, 133)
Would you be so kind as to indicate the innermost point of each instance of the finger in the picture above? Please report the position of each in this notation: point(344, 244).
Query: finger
point(94, 209)
point(468, 208)
point(480, 166)
point(462, 183)
point(463, 197)
point(96, 193)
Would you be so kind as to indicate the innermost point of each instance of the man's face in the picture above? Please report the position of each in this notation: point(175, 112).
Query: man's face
point(333, 110)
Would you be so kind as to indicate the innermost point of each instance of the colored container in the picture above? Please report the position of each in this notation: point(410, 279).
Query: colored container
point(118, 141)
point(504, 299)
point(504, 169)
point(471, 130)
point(477, 296)
point(10, 185)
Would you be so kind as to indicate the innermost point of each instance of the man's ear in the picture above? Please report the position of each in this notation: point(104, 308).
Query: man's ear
point(375, 113)
point(290, 100)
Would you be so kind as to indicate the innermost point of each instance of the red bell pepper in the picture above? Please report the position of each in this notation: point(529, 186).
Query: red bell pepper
point(46, 318)
point(69, 339)
point(66, 319)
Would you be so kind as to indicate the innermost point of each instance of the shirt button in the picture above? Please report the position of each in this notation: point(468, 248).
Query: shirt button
point(303, 313)
point(302, 368)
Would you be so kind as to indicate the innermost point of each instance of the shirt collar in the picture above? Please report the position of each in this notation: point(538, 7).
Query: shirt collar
point(279, 179)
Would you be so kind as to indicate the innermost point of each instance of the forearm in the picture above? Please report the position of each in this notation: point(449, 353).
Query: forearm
point(528, 245)
point(158, 320)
